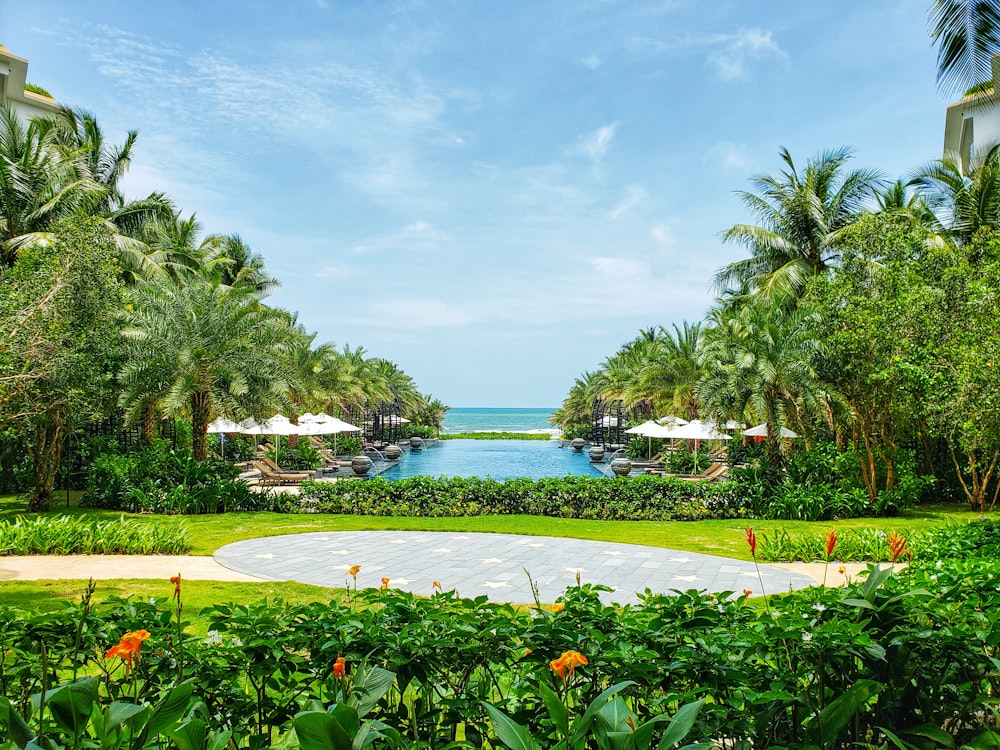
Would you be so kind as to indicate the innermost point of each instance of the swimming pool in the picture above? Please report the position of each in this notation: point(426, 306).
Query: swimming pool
point(499, 459)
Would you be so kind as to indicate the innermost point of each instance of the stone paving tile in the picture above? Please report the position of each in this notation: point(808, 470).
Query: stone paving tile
point(494, 565)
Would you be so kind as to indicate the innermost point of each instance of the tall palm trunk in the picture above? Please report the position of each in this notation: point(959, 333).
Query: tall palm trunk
point(201, 412)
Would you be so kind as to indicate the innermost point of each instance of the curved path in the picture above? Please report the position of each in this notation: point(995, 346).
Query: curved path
point(494, 564)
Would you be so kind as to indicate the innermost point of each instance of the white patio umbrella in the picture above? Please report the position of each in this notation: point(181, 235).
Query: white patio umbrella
point(324, 424)
point(671, 421)
point(276, 425)
point(761, 431)
point(221, 426)
point(649, 429)
point(697, 430)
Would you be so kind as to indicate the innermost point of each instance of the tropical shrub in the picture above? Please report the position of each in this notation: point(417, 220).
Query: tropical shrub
point(157, 480)
point(634, 498)
point(896, 660)
point(80, 536)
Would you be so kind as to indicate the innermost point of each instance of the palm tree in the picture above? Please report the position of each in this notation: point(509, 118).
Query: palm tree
point(800, 217)
point(760, 363)
point(961, 204)
point(967, 34)
point(238, 265)
point(41, 182)
point(203, 349)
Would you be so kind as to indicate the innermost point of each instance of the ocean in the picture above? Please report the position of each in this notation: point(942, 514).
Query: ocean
point(498, 420)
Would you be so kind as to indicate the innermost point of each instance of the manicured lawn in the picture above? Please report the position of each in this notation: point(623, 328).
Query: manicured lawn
point(210, 532)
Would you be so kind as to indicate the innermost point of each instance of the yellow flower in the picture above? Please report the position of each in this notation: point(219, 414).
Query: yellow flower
point(566, 663)
point(354, 570)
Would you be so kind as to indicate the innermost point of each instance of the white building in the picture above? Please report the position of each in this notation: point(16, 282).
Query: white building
point(13, 76)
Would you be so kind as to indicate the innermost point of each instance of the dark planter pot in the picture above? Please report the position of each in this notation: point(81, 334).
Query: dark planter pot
point(596, 454)
point(577, 444)
point(392, 452)
point(621, 466)
point(361, 465)
point(416, 443)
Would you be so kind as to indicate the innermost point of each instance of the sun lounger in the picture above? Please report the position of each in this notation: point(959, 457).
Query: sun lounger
point(269, 476)
point(274, 467)
point(713, 474)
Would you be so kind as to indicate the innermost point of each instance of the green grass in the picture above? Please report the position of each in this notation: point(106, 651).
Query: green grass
point(210, 532)
point(48, 596)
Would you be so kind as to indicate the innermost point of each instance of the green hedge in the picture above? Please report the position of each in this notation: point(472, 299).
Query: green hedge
point(643, 498)
point(81, 536)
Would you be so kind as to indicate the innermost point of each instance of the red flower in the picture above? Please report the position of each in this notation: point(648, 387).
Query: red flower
point(176, 580)
point(751, 540)
point(339, 669)
point(831, 542)
point(897, 546)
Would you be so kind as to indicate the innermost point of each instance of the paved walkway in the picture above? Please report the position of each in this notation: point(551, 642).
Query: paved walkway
point(494, 564)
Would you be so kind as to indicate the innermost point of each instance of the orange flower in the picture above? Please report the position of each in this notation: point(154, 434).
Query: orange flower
point(176, 580)
point(751, 540)
point(558, 607)
point(527, 652)
point(385, 584)
point(841, 570)
point(354, 570)
point(747, 592)
point(338, 667)
point(436, 585)
point(568, 662)
point(128, 647)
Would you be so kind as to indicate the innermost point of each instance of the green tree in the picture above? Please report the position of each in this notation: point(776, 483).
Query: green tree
point(760, 362)
point(203, 349)
point(58, 306)
point(800, 217)
point(878, 311)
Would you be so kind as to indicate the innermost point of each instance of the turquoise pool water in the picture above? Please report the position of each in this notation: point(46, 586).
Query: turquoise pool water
point(499, 459)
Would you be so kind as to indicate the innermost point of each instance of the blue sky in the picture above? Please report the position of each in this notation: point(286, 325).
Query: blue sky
point(494, 195)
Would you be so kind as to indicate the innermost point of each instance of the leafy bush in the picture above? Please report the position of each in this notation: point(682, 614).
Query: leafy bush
point(899, 652)
point(495, 436)
point(156, 480)
point(80, 536)
point(634, 498)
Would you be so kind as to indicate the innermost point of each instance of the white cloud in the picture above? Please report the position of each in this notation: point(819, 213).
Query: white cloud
point(741, 49)
point(731, 155)
point(663, 236)
point(593, 62)
point(595, 145)
point(420, 235)
point(636, 194)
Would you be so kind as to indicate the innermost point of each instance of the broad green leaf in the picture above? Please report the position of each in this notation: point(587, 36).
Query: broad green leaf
point(932, 732)
point(190, 735)
point(171, 708)
point(71, 703)
point(644, 732)
point(582, 725)
point(680, 724)
point(824, 728)
point(557, 709)
point(318, 730)
point(986, 741)
point(118, 713)
point(347, 717)
point(16, 726)
point(509, 732)
point(370, 687)
point(617, 741)
point(218, 740)
point(614, 716)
